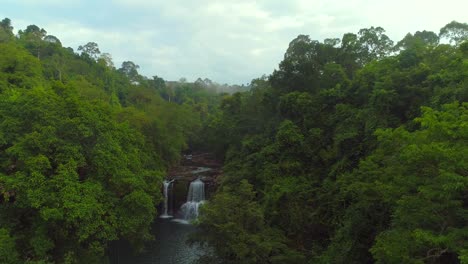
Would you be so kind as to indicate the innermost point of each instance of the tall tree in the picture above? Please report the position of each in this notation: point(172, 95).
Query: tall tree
point(32, 37)
point(6, 30)
point(130, 69)
point(419, 39)
point(374, 43)
point(90, 49)
point(455, 32)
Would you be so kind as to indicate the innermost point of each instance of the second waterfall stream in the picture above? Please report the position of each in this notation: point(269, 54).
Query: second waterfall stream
point(167, 186)
point(195, 197)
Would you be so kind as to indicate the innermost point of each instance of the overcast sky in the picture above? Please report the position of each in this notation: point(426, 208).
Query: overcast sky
point(228, 41)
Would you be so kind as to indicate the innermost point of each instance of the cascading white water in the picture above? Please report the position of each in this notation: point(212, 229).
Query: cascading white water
point(167, 185)
point(195, 197)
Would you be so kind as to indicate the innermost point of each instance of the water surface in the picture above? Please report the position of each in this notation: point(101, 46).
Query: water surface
point(169, 246)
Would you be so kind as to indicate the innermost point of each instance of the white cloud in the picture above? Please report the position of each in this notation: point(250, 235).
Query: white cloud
point(231, 40)
point(42, 2)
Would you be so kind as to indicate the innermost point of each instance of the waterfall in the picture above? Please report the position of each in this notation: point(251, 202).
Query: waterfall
point(167, 185)
point(195, 197)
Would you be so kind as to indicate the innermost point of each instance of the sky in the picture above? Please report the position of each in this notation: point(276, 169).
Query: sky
point(227, 41)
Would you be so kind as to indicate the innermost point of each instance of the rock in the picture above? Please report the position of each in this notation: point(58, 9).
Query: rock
point(193, 166)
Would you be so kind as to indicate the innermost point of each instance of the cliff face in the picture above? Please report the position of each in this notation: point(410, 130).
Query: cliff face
point(197, 165)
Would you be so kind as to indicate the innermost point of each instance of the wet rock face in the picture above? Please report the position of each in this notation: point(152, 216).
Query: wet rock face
point(201, 166)
point(202, 160)
point(198, 165)
point(182, 182)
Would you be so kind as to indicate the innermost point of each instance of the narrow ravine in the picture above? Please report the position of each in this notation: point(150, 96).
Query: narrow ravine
point(185, 188)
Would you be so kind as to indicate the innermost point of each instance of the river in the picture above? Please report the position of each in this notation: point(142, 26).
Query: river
point(169, 246)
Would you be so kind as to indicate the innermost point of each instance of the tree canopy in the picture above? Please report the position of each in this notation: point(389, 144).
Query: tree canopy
point(83, 150)
point(353, 151)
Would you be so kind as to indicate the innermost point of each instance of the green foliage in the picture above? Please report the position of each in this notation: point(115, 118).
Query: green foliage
point(428, 210)
point(455, 31)
point(90, 50)
point(18, 68)
point(8, 253)
point(71, 164)
point(359, 154)
point(83, 148)
point(374, 43)
point(235, 216)
point(348, 153)
point(6, 30)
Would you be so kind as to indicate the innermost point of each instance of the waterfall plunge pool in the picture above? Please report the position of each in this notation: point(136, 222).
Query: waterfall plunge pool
point(169, 246)
point(171, 233)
